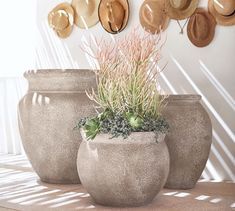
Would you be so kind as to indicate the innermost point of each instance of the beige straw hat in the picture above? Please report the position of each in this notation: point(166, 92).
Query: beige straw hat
point(113, 15)
point(223, 11)
point(153, 17)
point(61, 19)
point(86, 12)
point(180, 9)
point(201, 28)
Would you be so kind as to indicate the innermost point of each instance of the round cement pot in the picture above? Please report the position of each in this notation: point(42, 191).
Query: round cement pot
point(55, 102)
point(124, 172)
point(188, 141)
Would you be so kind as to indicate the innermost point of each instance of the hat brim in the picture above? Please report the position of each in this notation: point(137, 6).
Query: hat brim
point(179, 14)
point(86, 22)
point(69, 10)
point(212, 24)
point(102, 13)
point(156, 28)
point(221, 19)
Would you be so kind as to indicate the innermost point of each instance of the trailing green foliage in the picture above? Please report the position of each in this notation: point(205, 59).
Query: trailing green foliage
point(121, 124)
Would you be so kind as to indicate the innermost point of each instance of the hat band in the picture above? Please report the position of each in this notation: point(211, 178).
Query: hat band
point(110, 26)
point(230, 14)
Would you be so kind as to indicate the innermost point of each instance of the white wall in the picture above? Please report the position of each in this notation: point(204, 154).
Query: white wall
point(17, 37)
point(209, 71)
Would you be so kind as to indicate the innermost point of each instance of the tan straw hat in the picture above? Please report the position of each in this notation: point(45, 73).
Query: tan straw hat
point(152, 16)
point(180, 9)
point(113, 15)
point(223, 11)
point(61, 19)
point(86, 12)
point(201, 28)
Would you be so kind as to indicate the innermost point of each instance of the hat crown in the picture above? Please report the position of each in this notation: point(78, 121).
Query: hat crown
point(150, 16)
point(179, 4)
point(116, 14)
point(200, 27)
point(85, 8)
point(224, 7)
point(60, 20)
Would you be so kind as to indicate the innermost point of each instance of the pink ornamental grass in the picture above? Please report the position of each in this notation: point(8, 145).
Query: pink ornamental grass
point(127, 76)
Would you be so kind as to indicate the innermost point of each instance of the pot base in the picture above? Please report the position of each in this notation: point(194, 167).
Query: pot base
point(182, 187)
point(50, 181)
point(119, 204)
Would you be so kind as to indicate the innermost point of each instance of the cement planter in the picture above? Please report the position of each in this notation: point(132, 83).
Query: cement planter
point(123, 172)
point(55, 101)
point(188, 141)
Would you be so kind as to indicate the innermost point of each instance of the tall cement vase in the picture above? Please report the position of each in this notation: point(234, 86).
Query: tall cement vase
point(47, 114)
point(188, 141)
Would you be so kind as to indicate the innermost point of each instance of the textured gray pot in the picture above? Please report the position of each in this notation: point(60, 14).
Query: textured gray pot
point(188, 141)
point(123, 172)
point(55, 102)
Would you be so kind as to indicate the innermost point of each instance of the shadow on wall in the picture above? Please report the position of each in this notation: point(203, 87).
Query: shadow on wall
point(11, 91)
point(51, 51)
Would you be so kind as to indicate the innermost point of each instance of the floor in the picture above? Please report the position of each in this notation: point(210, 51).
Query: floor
point(21, 189)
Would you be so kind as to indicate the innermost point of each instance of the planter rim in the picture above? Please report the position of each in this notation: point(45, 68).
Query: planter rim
point(133, 138)
point(58, 72)
point(184, 97)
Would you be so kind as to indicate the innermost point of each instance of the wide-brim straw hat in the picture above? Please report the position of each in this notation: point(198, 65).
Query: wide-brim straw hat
point(113, 15)
point(201, 28)
point(153, 17)
point(223, 11)
point(61, 19)
point(180, 9)
point(86, 12)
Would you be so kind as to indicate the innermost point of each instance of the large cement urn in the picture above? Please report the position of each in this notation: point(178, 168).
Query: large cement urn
point(55, 102)
point(123, 172)
point(188, 141)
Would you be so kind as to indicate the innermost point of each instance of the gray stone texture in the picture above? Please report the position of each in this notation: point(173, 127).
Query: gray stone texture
point(188, 141)
point(124, 172)
point(55, 102)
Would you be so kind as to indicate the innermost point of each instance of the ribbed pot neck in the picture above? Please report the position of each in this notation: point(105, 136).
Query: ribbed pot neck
point(59, 80)
point(57, 73)
point(184, 97)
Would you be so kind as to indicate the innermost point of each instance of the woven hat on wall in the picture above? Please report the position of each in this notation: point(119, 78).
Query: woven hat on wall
point(113, 15)
point(61, 19)
point(153, 17)
point(86, 12)
point(201, 28)
point(180, 9)
point(223, 11)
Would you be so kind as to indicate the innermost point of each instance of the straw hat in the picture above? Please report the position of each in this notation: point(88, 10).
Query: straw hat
point(180, 9)
point(201, 28)
point(152, 16)
point(223, 11)
point(61, 19)
point(86, 12)
point(113, 15)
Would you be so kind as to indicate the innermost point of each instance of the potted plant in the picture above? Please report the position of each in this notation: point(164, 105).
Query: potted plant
point(123, 159)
